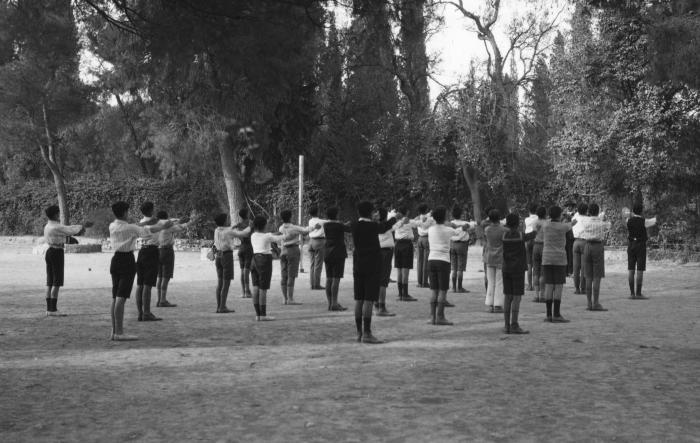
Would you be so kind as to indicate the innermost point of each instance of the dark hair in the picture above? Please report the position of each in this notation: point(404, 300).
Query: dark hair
point(554, 212)
point(243, 213)
point(593, 209)
point(439, 214)
point(52, 212)
point(638, 208)
point(259, 223)
point(220, 219)
point(313, 211)
point(533, 208)
point(120, 209)
point(541, 212)
point(162, 215)
point(365, 208)
point(403, 210)
point(582, 209)
point(494, 216)
point(382, 214)
point(332, 212)
point(423, 208)
point(147, 208)
point(512, 220)
point(286, 216)
point(457, 212)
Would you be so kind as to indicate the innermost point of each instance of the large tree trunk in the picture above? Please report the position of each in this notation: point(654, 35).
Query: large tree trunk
point(472, 179)
point(232, 178)
point(48, 153)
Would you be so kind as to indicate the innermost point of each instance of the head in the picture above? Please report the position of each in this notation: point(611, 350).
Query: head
point(582, 209)
point(53, 212)
point(120, 209)
point(162, 215)
point(457, 212)
point(313, 211)
point(364, 209)
point(423, 208)
point(638, 208)
point(533, 208)
point(382, 214)
point(286, 216)
point(494, 216)
point(542, 212)
point(332, 213)
point(220, 219)
point(439, 214)
point(555, 212)
point(147, 209)
point(243, 214)
point(513, 220)
point(259, 223)
point(403, 210)
point(593, 209)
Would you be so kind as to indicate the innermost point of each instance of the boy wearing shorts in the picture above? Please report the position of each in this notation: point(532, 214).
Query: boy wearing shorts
point(554, 263)
point(290, 256)
point(637, 249)
point(245, 254)
point(403, 253)
point(335, 254)
point(261, 269)
point(593, 230)
point(459, 249)
point(514, 267)
point(223, 242)
point(166, 258)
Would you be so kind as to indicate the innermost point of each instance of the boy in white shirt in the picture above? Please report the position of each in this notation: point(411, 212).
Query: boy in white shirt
point(261, 270)
point(290, 256)
point(223, 242)
point(166, 257)
point(459, 248)
point(530, 227)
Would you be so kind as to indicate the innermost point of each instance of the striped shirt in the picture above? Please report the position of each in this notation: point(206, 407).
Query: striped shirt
point(55, 233)
point(291, 232)
point(593, 228)
point(166, 237)
point(123, 235)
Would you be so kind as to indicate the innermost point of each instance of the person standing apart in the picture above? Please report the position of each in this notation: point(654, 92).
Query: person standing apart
point(529, 244)
point(166, 257)
point(55, 236)
point(594, 230)
point(317, 243)
point(290, 256)
point(637, 249)
point(554, 263)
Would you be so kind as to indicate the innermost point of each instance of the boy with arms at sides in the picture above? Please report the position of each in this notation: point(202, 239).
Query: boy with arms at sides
point(55, 236)
point(245, 254)
point(122, 268)
point(530, 227)
point(593, 230)
point(423, 245)
point(335, 255)
point(261, 270)
point(459, 248)
point(166, 257)
point(223, 242)
point(366, 266)
point(514, 267)
point(637, 249)
point(493, 256)
point(537, 247)
point(554, 263)
point(290, 256)
point(440, 237)
point(317, 245)
point(403, 253)
point(147, 266)
point(579, 245)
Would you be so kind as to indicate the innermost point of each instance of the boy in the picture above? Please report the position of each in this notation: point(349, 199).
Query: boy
point(245, 254)
point(537, 246)
point(166, 258)
point(594, 230)
point(290, 256)
point(55, 236)
point(146, 266)
point(403, 254)
point(530, 227)
point(317, 244)
point(637, 249)
point(386, 243)
point(423, 245)
point(579, 245)
point(459, 249)
point(366, 265)
point(335, 255)
point(223, 242)
point(493, 257)
point(261, 270)
point(554, 263)
point(514, 267)
point(122, 236)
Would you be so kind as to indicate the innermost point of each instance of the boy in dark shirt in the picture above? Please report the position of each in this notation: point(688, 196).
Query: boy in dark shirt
point(637, 249)
point(366, 268)
point(514, 267)
point(245, 254)
point(334, 258)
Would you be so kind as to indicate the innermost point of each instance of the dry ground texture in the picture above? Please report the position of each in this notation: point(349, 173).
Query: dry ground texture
point(629, 374)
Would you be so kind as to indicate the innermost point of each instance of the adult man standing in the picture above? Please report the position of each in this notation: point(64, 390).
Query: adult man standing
point(637, 249)
point(594, 230)
point(529, 244)
point(317, 245)
point(579, 246)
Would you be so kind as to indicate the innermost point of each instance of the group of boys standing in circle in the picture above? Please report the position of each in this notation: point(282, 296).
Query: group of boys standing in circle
point(379, 236)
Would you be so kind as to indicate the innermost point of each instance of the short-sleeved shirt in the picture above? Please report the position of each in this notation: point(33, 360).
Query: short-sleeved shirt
point(554, 251)
point(149, 239)
point(530, 223)
point(166, 237)
point(493, 255)
point(262, 242)
point(55, 233)
point(439, 237)
point(537, 226)
point(462, 235)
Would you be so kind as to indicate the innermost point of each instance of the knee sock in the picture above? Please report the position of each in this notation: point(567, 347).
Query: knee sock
point(557, 307)
point(358, 324)
point(48, 305)
point(549, 308)
point(454, 281)
point(459, 281)
point(402, 287)
point(257, 309)
point(639, 284)
point(630, 280)
point(514, 317)
point(508, 299)
point(284, 290)
point(367, 325)
point(54, 303)
point(263, 310)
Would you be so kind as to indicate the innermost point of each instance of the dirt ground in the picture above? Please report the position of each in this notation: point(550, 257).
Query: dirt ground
point(629, 374)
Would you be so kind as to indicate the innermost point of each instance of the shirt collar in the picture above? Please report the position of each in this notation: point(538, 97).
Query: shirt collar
point(364, 219)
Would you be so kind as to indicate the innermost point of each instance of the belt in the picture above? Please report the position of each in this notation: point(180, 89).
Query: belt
point(426, 235)
point(579, 238)
point(388, 247)
point(124, 252)
point(460, 241)
point(290, 245)
point(318, 238)
point(56, 246)
point(148, 246)
point(404, 239)
point(595, 241)
point(166, 247)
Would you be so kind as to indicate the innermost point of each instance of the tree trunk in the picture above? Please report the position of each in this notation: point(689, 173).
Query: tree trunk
point(48, 153)
point(232, 178)
point(470, 176)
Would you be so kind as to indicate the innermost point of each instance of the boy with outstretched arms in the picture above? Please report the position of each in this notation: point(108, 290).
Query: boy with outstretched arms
point(637, 249)
point(579, 245)
point(459, 248)
point(245, 254)
point(223, 242)
point(554, 263)
point(493, 257)
point(594, 230)
point(530, 227)
point(166, 257)
point(147, 266)
point(290, 255)
point(514, 267)
point(335, 255)
point(55, 236)
point(386, 243)
point(122, 236)
point(403, 253)
point(537, 247)
point(317, 245)
point(261, 270)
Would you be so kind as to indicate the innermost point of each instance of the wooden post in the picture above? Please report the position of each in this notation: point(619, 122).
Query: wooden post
point(301, 203)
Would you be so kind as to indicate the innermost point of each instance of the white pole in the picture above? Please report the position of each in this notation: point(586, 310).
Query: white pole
point(301, 201)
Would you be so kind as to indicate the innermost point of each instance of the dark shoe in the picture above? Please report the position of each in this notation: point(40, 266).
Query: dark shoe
point(515, 329)
point(506, 330)
point(385, 313)
point(443, 322)
point(225, 311)
point(166, 304)
point(598, 307)
point(359, 338)
point(409, 298)
point(497, 310)
point(319, 288)
point(490, 309)
point(559, 319)
point(548, 319)
point(292, 302)
point(641, 297)
point(462, 291)
point(371, 339)
point(530, 288)
point(448, 304)
point(140, 316)
point(151, 317)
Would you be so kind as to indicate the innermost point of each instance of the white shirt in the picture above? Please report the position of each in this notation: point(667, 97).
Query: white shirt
point(404, 231)
point(530, 223)
point(123, 235)
point(55, 233)
point(594, 228)
point(439, 237)
point(578, 227)
point(150, 239)
point(262, 242)
point(291, 233)
point(224, 236)
point(386, 239)
point(424, 223)
point(316, 233)
point(166, 237)
point(463, 235)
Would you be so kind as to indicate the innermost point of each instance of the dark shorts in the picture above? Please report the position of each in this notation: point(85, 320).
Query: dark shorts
point(335, 268)
point(289, 261)
point(553, 275)
point(439, 275)
point(147, 266)
point(637, 255)
point(385, 272)
point(366, 286)
point(166, 262)
point(245, 257)
point(55, 263)
point(593, 260)
point(458, 255)
point(529, 246)
point(224, 265)
point(537, 249)
point(514, 283)
point(123, 270)
point(403, 254)
point(261, 271)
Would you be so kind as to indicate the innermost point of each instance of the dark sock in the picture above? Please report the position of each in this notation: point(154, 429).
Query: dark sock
point(557, 306)
point(401, 286)
point(382, 306)
point(48, 304)
point(358, 324)
point(54, 302)
point(639, 289)
point(257, 309)
point(367, 323)
point(263, 310)
point(459, 282)
point(549, 307)
point(631, 283)
point(454, 282)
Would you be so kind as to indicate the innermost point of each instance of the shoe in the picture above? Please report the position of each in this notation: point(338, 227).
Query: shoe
point(150, 317)
point(371, 339)
point(641, 297)
point(589, 307)
point(559, 319)
point(448, 304)
point(267, 318)
point(530, 288)
point(490, 310)
point(506, 330)
point(111, 336)
point(515, 329)
point(462, 291)
point(385, 313)
point(318, 288)
point(598, 307)
point(257, 318)
point(536, 300)
point(48, 313)
point(225, 311)
point(124, 337)
point(443, 322)
point(292, 302)
point(341, 307)
point(497, 310)
point(409, 298)
point(166, 304)
point(140, 317)
point(359, 338)
point(548, 319)
point(57, 314)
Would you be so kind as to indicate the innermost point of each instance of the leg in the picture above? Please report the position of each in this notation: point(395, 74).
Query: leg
point(256, 301)
point(335, 287)
point(367, 336)
point(329, 290)
point(514, 310)
point(119, 316)
point(557, 317)
point(498, 290)
point(219, 287)
point(49, 303)
point(358, 318)
point(226, 284)
point(433, 306)
point(139, 301)
point(112, 313)
point(263, 306)
point(490, 286)
point(548, 299)
point(441, 320)
point(284, 276)
point(507, 300)
point(639, 281)
point(596, 295)
point(159, 288)
point(630, 281)
point(164, 292)
point(146, 300)
point(290, 291)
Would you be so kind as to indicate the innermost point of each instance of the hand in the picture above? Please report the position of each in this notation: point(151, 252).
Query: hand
point(317, 226)
point(167, 224)
point(405, 220)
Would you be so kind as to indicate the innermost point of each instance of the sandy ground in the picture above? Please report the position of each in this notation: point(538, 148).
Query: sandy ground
point(629, 374)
